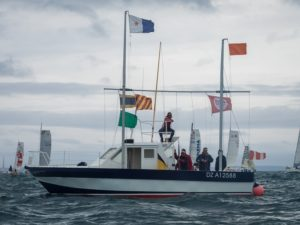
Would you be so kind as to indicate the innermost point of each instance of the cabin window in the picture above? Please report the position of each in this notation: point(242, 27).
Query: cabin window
point(149, 153)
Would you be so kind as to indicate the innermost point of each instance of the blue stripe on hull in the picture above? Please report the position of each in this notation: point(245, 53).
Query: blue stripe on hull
point(81, 172)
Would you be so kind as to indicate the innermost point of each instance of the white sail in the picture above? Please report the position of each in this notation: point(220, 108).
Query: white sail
point(195, 144)
point(297, 154)
point(246, 162)
point(45, 148)
point(233, 148)
point(19, 157)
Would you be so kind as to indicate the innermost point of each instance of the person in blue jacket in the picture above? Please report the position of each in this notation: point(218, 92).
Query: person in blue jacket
point(204, 160)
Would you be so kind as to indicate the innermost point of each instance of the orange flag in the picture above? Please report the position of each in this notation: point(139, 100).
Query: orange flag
point(238, 49)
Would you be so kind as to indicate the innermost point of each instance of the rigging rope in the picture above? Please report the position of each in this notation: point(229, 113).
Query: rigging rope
point(163, 80)
point(193, 116)
point(249, 118)
point(104, 120)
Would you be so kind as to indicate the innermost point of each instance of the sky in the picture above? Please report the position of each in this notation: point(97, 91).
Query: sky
point(56, 58)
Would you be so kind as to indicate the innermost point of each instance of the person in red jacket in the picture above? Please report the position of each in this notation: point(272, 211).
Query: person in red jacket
point(184, 161)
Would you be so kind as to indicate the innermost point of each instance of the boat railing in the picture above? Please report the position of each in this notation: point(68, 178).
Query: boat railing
point(148, 130)
point(35, 157)
point(63, 158)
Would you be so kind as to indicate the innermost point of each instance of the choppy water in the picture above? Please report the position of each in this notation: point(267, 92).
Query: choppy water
point(24, 201)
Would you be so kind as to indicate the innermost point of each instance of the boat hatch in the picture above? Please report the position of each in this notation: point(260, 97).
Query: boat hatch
point(133, 158)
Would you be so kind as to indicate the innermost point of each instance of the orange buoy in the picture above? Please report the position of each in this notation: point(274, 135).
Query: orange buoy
point(258, 190)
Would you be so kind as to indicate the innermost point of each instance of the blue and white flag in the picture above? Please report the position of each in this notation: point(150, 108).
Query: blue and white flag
point(139, 25)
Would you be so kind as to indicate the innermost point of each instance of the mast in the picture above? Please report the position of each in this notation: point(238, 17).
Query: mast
point(123, 91)
point(220, 153)
point(154, 110)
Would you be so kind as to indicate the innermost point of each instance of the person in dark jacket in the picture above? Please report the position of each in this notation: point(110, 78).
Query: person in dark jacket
point(204, 160)
point(184, 161)
point(224, 162)
point(166, 127)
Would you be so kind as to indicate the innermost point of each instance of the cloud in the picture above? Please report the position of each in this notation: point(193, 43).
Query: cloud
point(276, 90)
point(33, 88)
point(261, 117)
point(203, 5)
point(293, 2)
point(87, 9)
point(81, 120)
point(10, 67)
point(291, 90)
point(284, 36)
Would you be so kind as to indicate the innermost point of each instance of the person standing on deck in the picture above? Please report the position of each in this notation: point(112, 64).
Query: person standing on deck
point(204, 160)
point(184, 161)
point(166, 127)
point(224, 163)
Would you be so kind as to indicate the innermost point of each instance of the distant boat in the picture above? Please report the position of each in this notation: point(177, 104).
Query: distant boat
point(45, 147)
point(195, 143)
point(233, 148)
point(296, 166)
point(247, 163)
point(17, 168)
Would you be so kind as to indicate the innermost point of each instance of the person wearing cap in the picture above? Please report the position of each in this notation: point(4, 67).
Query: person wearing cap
point(184, 161)
point(204, 160)
point(166, 127)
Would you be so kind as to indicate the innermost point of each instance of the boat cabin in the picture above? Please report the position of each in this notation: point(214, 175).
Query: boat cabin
point(138, 156)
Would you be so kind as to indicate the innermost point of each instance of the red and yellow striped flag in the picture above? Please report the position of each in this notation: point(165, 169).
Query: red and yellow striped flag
point(143, 102)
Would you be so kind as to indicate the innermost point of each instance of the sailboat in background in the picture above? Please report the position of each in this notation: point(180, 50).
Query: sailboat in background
point(233, 149)
point(43, 156)
point(296, 166)
point(45, 147)
point(195, 143)
point(17, 168)
point(247, 161)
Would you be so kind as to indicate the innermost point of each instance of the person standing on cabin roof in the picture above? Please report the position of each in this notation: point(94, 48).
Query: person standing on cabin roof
point(166, 127)
point(204, 160)
point(184, 161)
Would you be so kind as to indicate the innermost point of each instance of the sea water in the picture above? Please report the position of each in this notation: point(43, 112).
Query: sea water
point(24, 201)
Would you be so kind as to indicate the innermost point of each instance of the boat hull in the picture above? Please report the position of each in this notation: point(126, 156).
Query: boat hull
point(293, 170)
point(140, 182)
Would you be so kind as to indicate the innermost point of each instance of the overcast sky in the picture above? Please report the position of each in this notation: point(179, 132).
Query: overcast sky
point(58, 56)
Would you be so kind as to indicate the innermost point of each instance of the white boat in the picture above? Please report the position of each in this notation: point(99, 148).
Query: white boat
point(296, 166)
point(142, 169)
